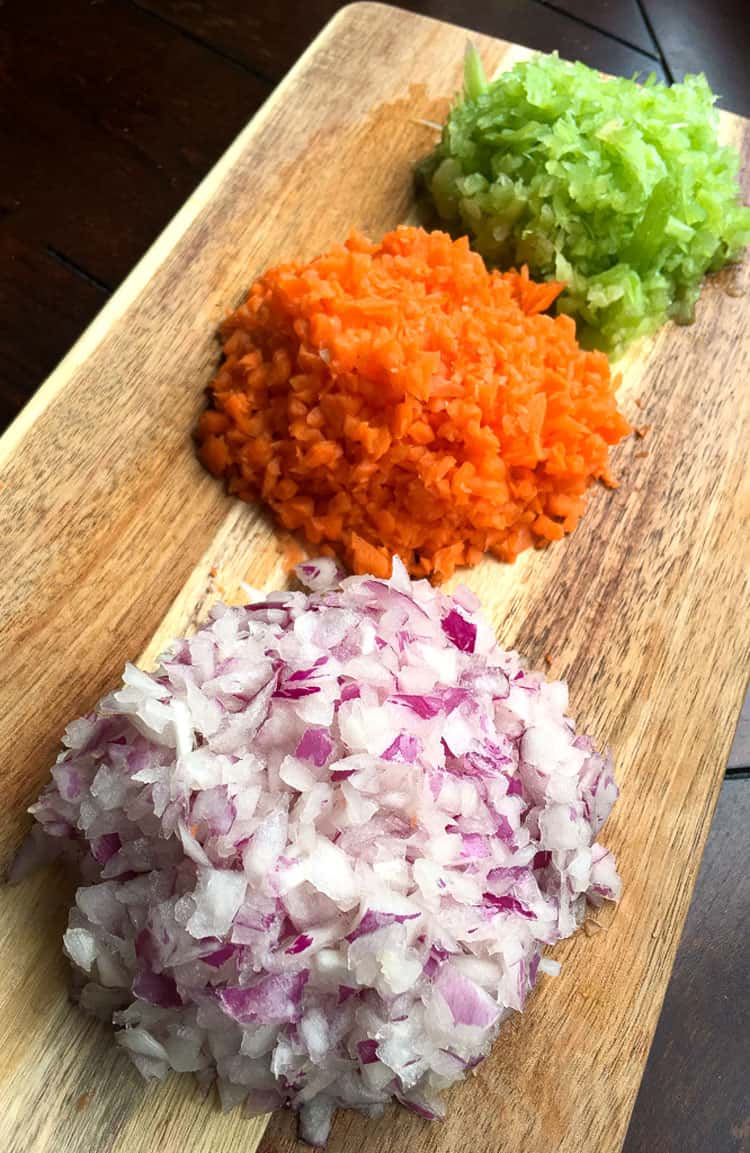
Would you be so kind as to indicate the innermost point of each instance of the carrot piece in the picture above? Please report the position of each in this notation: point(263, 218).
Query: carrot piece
point(366, 558)
point(212, 422)
point(214, 454)
point(548, 529)
point(292, 553)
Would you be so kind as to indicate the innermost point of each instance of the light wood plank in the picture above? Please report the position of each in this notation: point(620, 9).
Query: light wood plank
point(110, 531)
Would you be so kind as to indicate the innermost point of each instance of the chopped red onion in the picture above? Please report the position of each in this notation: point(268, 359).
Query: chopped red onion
point(462, 632)
point(324, 845)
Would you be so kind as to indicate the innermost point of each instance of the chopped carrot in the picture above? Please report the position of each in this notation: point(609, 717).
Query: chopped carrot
point(291, 553)
point(399, 398)
point(214, 454)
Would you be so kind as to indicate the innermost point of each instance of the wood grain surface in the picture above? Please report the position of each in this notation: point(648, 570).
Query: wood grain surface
point(110, 531)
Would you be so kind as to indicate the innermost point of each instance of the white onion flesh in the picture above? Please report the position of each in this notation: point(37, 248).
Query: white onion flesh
point(324, 845)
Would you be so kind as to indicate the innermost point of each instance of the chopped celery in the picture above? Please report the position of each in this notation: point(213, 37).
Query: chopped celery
point(622, 190)
point(475, 81)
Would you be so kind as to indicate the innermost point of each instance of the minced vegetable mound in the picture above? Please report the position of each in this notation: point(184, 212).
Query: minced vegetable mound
point(398, 398)
point(619, 190)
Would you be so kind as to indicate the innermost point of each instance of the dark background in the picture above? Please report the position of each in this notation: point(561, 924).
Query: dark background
point(111, 111)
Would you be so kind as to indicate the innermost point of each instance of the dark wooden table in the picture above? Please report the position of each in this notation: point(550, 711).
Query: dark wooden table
point(113, 110)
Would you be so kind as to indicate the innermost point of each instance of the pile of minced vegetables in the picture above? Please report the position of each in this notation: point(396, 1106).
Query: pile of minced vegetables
point(324, 845)
point(403, 397)
point(398, 398)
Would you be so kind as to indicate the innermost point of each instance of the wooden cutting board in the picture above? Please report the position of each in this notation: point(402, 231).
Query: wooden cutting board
point(112, 539)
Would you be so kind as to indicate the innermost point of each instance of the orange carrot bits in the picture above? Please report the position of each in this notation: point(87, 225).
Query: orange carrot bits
point(398, 398)
point(214, 454)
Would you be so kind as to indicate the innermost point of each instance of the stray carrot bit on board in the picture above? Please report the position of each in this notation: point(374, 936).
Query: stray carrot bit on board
point(642, 430)
point(213, 570)
point(399, 398)
point(292, 553)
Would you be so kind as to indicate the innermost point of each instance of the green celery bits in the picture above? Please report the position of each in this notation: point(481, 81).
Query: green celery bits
point(620, 190)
